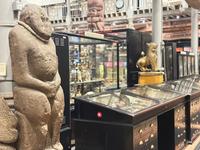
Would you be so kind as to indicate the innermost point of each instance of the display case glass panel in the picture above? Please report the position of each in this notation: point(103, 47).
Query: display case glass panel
point(193, 64)
point(189, 66)
point(185, 86)
point(123, 64)
point(123, 101)
point(93, 65)
point(185, 65)
point(154, 93)
point(180, 67)
point(121, 37)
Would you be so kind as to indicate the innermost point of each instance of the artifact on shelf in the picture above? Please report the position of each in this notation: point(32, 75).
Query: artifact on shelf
point(8, 127)
point(95, 15)
point(38, 96)
point(150, 59)
point(194, 3)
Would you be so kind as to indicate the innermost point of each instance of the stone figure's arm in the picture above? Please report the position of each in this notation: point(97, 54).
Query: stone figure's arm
point(19, 50)
point(57, 80)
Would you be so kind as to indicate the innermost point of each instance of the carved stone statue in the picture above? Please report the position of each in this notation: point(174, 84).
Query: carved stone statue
point(38, 96)
point(150, 59)
point(96, 14)
point(194, 3)
point(8, 125)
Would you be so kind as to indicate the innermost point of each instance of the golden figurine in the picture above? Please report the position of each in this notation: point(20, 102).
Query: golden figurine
point(148, 65)
point(150, 59)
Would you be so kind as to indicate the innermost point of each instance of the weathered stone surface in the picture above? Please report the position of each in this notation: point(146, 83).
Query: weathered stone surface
point(38, 96)
point(6, 147)
point(8, 125)
point(194, 3)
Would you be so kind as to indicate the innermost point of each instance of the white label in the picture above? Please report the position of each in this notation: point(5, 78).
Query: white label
point(2, 69)
point(94, 35)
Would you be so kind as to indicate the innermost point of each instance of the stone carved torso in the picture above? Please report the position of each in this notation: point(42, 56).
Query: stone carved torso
point(8, 125)
point(38, 96)
point(40, 55)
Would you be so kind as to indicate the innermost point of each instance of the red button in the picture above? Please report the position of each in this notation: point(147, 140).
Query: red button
point(99, 115)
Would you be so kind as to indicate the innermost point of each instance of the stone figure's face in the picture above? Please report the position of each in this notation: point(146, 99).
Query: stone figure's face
point(37, 19)
point(41, 25)
point(194, 3)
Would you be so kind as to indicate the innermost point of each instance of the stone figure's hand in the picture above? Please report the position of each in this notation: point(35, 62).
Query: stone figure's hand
point(52, 90)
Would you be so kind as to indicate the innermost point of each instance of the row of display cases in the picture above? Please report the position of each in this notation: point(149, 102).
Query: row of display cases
point(160, 117)
point(94, 64)
point(177, 64)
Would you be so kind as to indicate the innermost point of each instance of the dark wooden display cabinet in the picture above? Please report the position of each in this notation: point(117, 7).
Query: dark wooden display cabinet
point(193, 110)
point(172, 121)
point(124, 120)
point(191, 87)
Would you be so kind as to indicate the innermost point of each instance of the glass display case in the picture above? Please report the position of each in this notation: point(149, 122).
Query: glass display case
point(189, 68)
point(186, 64)
point(122, 64)
point(115, 120)
point(180, 65)
point(86, 65)
point(93, 65)
point(171, 120)
point(110, 112)
point(134, 43)
point(193, 64)
point(170, 61)
point(191, 87)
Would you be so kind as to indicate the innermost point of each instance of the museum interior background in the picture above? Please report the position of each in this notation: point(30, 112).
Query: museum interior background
point(111, 103)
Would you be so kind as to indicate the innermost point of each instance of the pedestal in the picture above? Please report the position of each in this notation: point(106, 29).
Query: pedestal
point(147, 78)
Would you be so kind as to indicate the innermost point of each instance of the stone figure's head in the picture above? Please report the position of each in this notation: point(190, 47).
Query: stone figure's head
point(194, 3)
point(35, 17)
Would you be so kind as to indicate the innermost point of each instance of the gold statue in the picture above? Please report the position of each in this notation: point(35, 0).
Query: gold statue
point(150, 59)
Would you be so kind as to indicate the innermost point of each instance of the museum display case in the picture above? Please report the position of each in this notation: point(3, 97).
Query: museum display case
point(177, 62)
point(191, 87)
point(172, 121)
point(194, 112)
point(186, 64)
point(93, 64)
point(125, 120)
point(135, 42)
point(170, 61)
